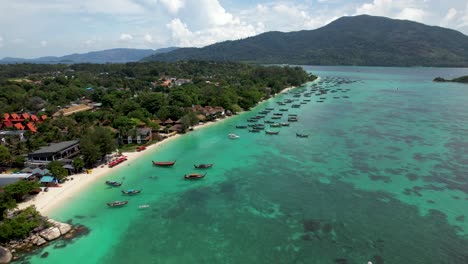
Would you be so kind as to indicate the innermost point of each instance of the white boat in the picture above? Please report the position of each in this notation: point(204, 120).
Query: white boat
point(143, 206)
point(233, 136)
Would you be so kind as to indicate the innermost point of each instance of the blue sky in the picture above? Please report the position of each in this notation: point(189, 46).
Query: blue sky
point(33, 28)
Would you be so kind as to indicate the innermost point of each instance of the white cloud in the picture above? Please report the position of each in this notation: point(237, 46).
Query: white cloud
point(377, 7)
point(181, 35)
point(125, 37)
point(43, 43)
point(464, 18)
point(172, 6)
point(111, 7)
point(410, 13)
point(148, 38)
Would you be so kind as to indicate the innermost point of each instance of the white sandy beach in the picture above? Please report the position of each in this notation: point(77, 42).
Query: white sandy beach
point(45, 202)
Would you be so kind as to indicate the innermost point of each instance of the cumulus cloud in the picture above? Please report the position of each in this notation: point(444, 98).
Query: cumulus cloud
point(206, 22)
point(184, 37)
point(148, 38)
point(400, 9)
point(172, 6)
point(290, 17)
point(410, 13)
point(124, 37)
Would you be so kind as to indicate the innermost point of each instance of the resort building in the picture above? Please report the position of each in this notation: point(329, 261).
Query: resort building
point(54, 152)
point(209, 111)
point(6, 179)
point(139, 136)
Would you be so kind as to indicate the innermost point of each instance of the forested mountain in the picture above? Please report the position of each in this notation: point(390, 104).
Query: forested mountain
point(104, 56)
point(359, 40)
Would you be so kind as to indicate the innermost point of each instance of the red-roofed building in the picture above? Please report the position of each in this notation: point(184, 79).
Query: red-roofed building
point(8, 123)
point(19, 126)
point(16, 121)
point(31, 127)
point(15, 116)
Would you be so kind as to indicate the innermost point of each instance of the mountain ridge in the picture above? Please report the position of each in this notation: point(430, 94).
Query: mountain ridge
point(117, 55)
point(353, 40)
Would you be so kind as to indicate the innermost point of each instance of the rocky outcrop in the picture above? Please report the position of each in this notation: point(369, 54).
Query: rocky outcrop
point(37, 240)
point(63, 227)
point(41, 236)
point(50, 233)
point(5, 255)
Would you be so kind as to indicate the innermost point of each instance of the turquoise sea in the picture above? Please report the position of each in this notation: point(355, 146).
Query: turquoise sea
point(382, 177)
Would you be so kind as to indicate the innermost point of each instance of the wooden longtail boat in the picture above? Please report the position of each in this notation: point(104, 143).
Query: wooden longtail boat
point(117, 204)
point(194, 176)
point(164, 163)
point(302, 135)
point(113, 183)
point(269, 132)
point(131, 192)
point(203, 166)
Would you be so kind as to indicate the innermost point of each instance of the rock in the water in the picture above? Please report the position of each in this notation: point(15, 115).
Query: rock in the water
point(50, 233)
point(5, 255)
point(45, 254)
point(37, 240)
point(63, 227)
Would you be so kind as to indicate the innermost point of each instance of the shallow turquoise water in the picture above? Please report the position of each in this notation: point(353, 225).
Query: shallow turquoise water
point(382, 177)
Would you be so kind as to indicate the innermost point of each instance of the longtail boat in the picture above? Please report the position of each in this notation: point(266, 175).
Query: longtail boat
point(131, 192)
point(117, 204)
point(164, 163)
point(113, 183)
point(269, 132)
point(193, 176)
point(203, 166)
point(302, 135)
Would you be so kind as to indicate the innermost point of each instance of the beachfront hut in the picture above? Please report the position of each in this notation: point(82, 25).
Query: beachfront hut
point(49, 181)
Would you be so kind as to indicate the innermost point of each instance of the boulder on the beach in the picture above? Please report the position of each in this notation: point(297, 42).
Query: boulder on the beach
point(37, 240)
point(5, 255)
point(50, 233)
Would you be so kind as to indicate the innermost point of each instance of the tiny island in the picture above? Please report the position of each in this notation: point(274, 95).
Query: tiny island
point(463, 79)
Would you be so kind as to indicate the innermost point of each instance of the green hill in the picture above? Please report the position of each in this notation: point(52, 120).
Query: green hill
point(358, 40)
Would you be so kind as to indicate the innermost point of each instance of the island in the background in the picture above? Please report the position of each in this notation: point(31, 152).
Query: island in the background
point(463, 79)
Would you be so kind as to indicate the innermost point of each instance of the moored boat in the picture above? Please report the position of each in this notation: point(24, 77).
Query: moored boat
point(164, 163)
point(113, 183)
point(131, 192)
point(233, 136)
point(193, 176)
point(275, 125)
point(302, 135)
point(203, 166)
point(241, 126)
point(269, 132)
point(117, 204)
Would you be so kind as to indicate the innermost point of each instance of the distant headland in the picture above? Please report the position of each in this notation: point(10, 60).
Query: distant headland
point(463, 79)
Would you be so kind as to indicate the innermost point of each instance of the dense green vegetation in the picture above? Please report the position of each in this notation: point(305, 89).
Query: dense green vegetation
point(463, 79)
point(21, 224)
point(131, 95)
point(360, 40)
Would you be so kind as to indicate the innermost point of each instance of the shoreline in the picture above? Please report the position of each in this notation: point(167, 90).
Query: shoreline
point(47, 202)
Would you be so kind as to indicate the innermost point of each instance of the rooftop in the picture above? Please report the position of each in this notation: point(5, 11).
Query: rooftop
point(56, 147)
